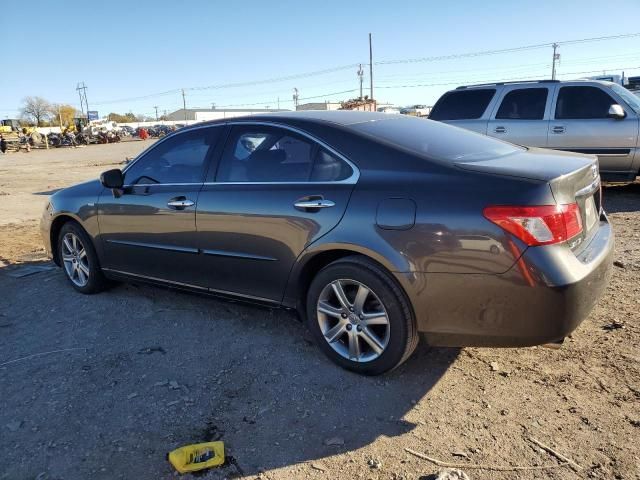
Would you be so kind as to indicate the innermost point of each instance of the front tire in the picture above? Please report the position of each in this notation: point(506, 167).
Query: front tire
point(360, 317)
point(79, 259)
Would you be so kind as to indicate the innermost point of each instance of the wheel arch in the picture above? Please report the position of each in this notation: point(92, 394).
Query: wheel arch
point(311, 262)
point(54, 232)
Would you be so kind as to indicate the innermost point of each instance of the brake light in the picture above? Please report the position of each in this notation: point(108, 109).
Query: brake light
point(538, 225)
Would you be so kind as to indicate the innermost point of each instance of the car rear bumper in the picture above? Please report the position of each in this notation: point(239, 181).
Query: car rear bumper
point(541, 299)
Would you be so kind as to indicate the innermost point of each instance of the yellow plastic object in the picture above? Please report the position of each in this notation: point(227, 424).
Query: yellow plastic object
point(198, 456)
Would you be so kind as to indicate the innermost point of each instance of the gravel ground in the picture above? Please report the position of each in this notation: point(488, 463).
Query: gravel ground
point(103, 386)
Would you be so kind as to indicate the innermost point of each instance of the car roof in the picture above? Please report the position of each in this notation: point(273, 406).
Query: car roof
point(337, 117)
point(535, 82)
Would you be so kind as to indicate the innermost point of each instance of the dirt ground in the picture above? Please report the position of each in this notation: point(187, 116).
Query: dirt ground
point(103, 386)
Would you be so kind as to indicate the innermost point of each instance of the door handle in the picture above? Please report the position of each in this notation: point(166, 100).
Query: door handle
point(500, 130)
point(313, 204)
point(558, 129)
point(180, 203)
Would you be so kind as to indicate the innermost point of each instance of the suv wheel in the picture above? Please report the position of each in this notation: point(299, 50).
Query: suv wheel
point(359, 317)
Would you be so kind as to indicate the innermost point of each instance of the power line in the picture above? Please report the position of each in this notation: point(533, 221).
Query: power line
point(267, 102)
point(524, 79)
point(504, 50)
point(356, 65)
point(439, 84)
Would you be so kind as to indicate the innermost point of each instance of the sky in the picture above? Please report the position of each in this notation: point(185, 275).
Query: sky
point(134, 56)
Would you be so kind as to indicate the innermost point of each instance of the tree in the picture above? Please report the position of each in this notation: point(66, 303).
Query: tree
point(126, 118)
point(35, 109)
point(62, 112)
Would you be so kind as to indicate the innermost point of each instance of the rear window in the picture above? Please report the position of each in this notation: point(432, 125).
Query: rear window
point(462, 104)
point(437, 141)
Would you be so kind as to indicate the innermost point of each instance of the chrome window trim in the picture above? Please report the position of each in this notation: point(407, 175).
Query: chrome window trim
point(351, 180)
point(343, 182)
point(162, 185)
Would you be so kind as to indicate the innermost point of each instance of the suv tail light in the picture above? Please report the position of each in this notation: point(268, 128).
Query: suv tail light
point(538, 225)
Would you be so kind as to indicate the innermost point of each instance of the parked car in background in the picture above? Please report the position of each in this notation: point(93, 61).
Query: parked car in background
point(130, 131)
point(583, 116)
point(416, 110)
point(389, 110)
point(373, 227)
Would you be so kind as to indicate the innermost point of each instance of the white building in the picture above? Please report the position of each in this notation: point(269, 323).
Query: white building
point(202, 114)
point(320, 106)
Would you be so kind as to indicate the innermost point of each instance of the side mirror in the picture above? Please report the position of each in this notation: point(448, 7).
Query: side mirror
point(112, 178)
point(616, 111)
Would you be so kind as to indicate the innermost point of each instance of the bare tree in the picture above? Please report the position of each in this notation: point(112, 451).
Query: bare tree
point(35, 109)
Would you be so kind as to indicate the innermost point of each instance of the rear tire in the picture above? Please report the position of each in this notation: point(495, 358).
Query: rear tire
point(359, 316)
point(79, 260)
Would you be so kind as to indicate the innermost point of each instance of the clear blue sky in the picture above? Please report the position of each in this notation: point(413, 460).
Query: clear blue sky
point(124, 49)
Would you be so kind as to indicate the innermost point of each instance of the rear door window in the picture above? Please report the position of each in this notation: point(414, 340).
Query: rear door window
point(523, 104)
point(462, 104)
point(583, 103)
point(272, 154)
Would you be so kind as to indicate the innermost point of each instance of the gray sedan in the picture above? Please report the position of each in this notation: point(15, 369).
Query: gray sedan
point(374, 227)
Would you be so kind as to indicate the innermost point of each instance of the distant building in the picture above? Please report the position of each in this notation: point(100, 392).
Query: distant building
point(362, 104)
point(203, 114)
point(319, 106)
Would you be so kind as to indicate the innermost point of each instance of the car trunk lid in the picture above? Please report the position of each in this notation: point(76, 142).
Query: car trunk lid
point(572, 177)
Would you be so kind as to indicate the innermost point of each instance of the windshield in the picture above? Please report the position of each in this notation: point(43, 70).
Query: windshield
point(437, 141)
point(629, 98)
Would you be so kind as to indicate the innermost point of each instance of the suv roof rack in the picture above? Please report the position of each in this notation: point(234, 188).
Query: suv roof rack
point(462, 87)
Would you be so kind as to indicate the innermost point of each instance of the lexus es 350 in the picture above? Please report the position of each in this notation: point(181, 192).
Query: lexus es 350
point(374, 227)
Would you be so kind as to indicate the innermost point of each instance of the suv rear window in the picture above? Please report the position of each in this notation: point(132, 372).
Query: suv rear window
point(462, 104)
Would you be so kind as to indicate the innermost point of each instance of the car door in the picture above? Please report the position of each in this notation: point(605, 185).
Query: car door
point(581, 123)
point(149, 227)
point(522, 115)
point(276, 190)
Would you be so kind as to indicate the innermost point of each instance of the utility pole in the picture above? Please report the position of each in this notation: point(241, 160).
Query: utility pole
point(295, 97)
point(60, 117)
point(370, 69)
point(184, 105)
point(360, 78)
point(156, 107)
point(213, 106)
point(556, 56)
point(82, 92)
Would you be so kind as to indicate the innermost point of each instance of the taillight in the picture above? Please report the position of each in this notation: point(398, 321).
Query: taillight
point(538, 225)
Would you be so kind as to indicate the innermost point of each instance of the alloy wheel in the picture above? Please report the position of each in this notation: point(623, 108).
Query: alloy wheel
point(353, 320)
point(75, 259)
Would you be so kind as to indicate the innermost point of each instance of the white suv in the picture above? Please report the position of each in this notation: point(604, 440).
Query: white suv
point(585, 116)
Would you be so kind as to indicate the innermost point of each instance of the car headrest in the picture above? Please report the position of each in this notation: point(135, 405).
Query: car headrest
point(326, 168)
point(264, 165)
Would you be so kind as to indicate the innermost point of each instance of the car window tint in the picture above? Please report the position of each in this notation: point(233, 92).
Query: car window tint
point(462, 104)
point(266, 154)
point(435, 140)
point(329, 168)
point(523, 104)
point(583, 103)
point(178, 159)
